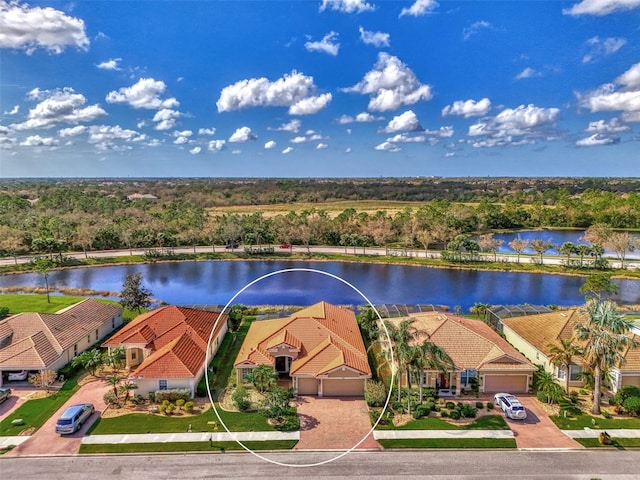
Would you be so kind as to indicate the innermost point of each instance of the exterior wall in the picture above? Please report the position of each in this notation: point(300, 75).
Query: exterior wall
point(344, 372)
point(147, 385)
point(284, 351)
point(631, 380)
point(532, 353)
point(215, 342)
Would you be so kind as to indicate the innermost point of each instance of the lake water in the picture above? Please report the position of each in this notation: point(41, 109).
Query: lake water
point(215, 282)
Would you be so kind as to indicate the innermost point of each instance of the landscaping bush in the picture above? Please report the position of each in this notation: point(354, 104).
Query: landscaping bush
point(188, 407)
point(430, 393)
point(455, 415)
point(241, 399)
point(290, 423)
point(397, 406)
point(625, 392)
point(170, 409)
point(172, 395)
point(632, 405)
point(606, 415)
point(542, 397)
point(180, 403)
point(479, 405)
point(431, 400)
point(137, 399)
point(423, 410)
point(468, 411)
point(111, 399)
point(375, 393)
point(450, 405)
point(489, 405)
point(444, 414)
point(152, 397)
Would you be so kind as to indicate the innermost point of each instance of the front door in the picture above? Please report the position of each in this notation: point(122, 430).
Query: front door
point(443, 380)
point(283, 364)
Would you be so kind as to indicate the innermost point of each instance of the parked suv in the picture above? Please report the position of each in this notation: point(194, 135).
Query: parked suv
point(4, 394)
point(511, 406)
point(73, 418)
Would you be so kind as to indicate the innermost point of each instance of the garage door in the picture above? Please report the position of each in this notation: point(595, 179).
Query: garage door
point(504, 383)
point(307, 386)
point(629, 380)
point(343, 388)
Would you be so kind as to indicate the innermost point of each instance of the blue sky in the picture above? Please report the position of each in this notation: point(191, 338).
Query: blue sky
point(319, 88)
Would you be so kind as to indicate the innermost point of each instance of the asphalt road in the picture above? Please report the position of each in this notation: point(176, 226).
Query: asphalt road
point(458, 465)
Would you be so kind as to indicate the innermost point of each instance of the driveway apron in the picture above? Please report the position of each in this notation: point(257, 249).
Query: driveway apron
point(538, 431)
point(46, 442)
point(333, 423)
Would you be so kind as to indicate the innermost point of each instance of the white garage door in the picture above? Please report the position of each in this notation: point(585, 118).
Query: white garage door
point(307, 386)
point(504, 383)
point(351, 387)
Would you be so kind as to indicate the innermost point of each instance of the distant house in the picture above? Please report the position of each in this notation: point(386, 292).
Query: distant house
point(48, 341)
point(142, 196)
point(477, 352)
point(166, 348)
point(319, 349)
point(535, 335)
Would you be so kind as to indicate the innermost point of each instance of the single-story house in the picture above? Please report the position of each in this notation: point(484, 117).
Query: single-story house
point(166, 348)
point(535, 335)
point(48, 341)
point(318, 348)
point(477, 351)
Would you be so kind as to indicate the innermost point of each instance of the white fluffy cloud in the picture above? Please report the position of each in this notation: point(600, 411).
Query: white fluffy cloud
point(419, 8)
point(166, 119)
point(600, 7)
point(603, 126)
point(364, 117)
point(195, 150)
point(309, 136)
point(287, 150)
point(391, 85)
point(59, 106)
point(241, 135)
point(597, 139)
point(388, 147)
point(270, 144)
point(181, 140)
point(38, 141)
point(72, 132)
point(207, 131)
point(292, 126)
point(145, 93)
point(107, 137)
point(621, 95)
point(347, 6)
point(528, 73)
point(407, 121)
point(296, 91)
point(111, 64)
point(216, 145)
point(310, 105)
point(321, 146)
point(13, 111)
point(377, 39)
point(475, 28)
point(328, 44)
point(29, 28)
point(468, 108)
point(407, 138)
point(183, 133)
point(598, 47)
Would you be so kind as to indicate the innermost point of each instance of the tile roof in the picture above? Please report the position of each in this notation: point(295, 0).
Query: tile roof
point(35, 340)
point(471, 344)
point(327, 336)
point(543, 331)
point(177, 337)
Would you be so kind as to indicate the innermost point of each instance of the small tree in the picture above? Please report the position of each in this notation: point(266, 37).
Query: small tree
point(134, 295)
point(43, 379)
point(235, 317)
point(43, 266)
point(241, 398)
point(263, 377)
point(90, 360)
point(114, 381)
point(599, 286)
point(519, 245)
point(276, 403)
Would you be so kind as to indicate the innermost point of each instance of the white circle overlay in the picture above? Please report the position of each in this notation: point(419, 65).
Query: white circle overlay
point(208, 360)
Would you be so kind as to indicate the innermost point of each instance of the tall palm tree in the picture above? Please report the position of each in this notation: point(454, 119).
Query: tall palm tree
point(546, 383)
point(562, 354)
point(429, 356)
point(605, 335)
point(401, 337)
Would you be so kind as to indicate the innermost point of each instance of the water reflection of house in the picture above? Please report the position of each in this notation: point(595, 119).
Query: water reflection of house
point(319, 349)
point(166, 348)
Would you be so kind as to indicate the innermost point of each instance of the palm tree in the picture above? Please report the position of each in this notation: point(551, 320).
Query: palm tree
point(114, 381)
point(562, 354)
point(89, 359)
point(546, 383)
point(429, 356)
point(127, 387)
point(605, 335)
point(400, 337)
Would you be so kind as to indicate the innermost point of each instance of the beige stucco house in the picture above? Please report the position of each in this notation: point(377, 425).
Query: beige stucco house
point(166, 348)
point(534, 336)
point(48, 341)
point(319, 348)
point(477, 352)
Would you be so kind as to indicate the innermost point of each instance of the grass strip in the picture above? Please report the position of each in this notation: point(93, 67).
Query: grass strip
point(449, 443)
point(615, 443)
point(581, 421)
point(34, 413)
point(487, 422)
point(186, 446)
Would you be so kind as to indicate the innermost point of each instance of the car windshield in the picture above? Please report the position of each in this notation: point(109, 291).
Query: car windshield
point(64, 421)
point(518, 408)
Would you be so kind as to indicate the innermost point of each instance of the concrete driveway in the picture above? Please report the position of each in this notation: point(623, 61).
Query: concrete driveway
point(333, 423)
point(46, 442)
point(538, 431)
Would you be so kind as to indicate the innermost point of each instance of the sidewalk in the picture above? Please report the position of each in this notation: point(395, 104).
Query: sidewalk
point(190, 437)
point(401, 434)
point(593, 433)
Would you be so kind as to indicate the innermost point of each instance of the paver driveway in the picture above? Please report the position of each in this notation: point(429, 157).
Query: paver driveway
point(335, 423)
point(46, 442)
point(538, 431)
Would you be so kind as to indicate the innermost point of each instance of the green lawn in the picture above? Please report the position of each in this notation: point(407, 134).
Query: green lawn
point(488, 422)
point(187, 446)
point(449, 443)
point(146, 423)
point(581, 421)
point(35, 413)
point(615, 443)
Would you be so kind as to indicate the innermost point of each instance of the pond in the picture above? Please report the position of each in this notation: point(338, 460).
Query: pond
point(215, 282)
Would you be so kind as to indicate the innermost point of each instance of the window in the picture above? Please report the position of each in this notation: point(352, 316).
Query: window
point(467, 374)
point(113, 323)
point(574, 373)
point(244, 373)
point(97, 335)
point(88, 338)
point(75, 350)
point(562, 373)
point(162, 384)
point(133, 354)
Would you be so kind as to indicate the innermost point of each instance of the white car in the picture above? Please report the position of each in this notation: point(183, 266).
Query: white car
point(17, 376)
point(511, 406)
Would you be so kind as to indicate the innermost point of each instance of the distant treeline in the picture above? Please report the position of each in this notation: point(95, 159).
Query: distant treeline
point(57, 216)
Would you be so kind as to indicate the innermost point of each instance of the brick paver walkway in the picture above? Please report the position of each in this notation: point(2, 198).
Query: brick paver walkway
point(333, 424)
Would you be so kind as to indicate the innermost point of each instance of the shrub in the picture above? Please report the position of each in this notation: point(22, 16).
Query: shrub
point(455, 414)
point(468, 411)
point(450, 405)
point(431, 400)
point(489, 405)
point(152, 397)
point(430, 393)
point(137, 399)
point(162, 408)
point(188, 407)
point(173, 394)
point(110, 399)
point(170, 409)
point(479, 405)
point(375, 393)
point(606, 415)
point(180, 403)
point(632, 405)
point(459, 404)
point(542, 397)
point(423, 410)
point(444, 414)
point(582, 391)
point(625, 392)
point(241, 399)
point(290, 423)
